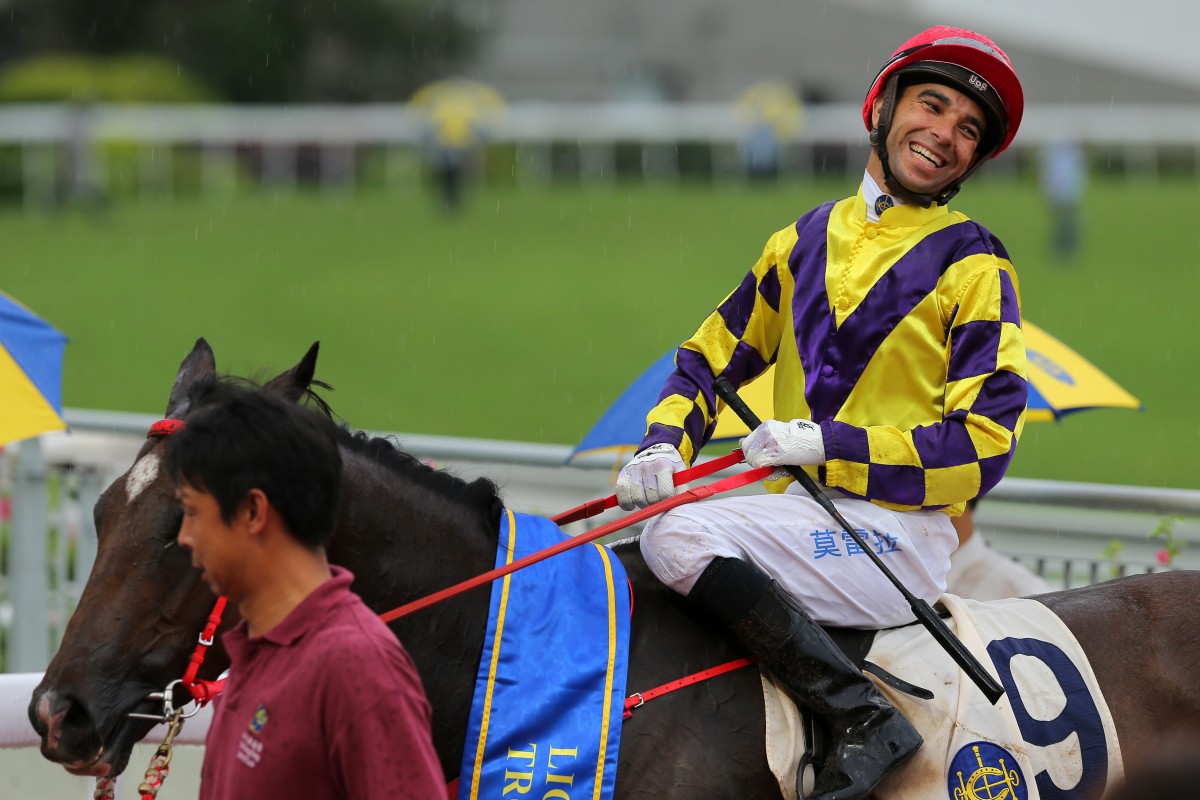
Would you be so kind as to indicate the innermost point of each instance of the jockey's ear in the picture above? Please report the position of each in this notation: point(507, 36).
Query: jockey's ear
point(294, 383)
point(198, 363)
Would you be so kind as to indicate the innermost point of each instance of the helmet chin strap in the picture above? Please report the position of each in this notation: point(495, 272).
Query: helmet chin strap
point(878, 140)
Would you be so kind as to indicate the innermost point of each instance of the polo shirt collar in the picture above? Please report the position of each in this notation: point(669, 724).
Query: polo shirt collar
point(300, 620)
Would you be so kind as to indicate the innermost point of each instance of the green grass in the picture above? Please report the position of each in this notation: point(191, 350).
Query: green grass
point(524, 318)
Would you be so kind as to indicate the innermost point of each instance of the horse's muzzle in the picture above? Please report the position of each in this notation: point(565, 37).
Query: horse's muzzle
point(68, 733)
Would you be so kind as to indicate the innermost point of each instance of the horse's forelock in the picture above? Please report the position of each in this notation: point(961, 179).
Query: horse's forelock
point(213, 388)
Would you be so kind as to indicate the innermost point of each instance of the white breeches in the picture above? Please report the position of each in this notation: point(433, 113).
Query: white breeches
point(798, 543)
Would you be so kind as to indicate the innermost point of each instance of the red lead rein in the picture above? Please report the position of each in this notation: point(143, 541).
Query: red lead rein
point(593, 507)
point(689, 496)
point(204, 690)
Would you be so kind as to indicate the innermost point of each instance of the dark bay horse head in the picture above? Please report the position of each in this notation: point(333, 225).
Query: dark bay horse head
point(138, 619)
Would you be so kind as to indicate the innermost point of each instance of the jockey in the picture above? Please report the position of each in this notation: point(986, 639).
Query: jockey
point(894, 326)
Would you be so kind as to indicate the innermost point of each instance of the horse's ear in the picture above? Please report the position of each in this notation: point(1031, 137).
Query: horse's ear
point(199, 362)
point(294, 383)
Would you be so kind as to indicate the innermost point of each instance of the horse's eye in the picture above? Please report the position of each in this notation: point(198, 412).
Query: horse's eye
point(174, 521)
point(98, 513)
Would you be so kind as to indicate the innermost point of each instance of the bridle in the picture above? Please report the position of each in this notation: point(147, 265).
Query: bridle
point(202, 691)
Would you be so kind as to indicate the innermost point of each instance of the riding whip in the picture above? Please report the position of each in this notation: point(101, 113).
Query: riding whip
point(924, 613)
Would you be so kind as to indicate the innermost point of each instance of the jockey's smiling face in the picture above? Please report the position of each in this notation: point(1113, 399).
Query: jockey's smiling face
point(935, 132)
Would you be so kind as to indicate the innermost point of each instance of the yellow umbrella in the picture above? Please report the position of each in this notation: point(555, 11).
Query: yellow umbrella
point(1061, 381)
point(774, 103)
point(458, 90)
point(457, 108)
point(31, 356)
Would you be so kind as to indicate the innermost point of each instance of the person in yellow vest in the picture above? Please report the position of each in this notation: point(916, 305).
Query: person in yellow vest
point(771, 114)
point(456, 116)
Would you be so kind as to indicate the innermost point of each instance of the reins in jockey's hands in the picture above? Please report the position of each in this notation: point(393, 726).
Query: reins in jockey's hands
point(798, 443)
point(649, 477)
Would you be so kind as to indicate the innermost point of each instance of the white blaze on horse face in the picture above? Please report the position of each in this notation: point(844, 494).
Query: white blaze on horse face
point(141, 475)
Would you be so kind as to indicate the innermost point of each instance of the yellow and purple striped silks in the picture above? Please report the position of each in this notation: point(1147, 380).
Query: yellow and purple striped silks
point(1061, 382)
point(549, 694)
point(31, 357)
point(902, 338)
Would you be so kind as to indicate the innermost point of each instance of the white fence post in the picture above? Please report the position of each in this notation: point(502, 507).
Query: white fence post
point(30, 643)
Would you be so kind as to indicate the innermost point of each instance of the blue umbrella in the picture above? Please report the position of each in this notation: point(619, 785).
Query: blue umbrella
point(31, 362)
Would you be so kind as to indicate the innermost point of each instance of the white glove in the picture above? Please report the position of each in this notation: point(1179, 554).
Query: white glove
point(798, 443)
point(649, 477)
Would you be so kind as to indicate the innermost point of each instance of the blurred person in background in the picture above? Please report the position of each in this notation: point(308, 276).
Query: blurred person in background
point(979, 572)
point(1064, 172)
point(456, 113)
point(81, 179)
point(894, 326)
point(258, 479)
point(771, 114)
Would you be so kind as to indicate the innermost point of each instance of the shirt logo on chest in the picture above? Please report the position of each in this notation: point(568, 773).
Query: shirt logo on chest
point(250, 747)
point(259, 721)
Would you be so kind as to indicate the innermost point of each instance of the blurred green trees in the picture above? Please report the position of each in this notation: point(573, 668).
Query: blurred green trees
point(256, 51)
point(55, 77)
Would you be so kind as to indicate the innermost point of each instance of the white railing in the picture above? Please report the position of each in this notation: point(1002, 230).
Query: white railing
point(49, 137)
point(543, 123)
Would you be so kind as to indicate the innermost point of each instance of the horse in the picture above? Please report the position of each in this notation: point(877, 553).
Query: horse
point(406, 530)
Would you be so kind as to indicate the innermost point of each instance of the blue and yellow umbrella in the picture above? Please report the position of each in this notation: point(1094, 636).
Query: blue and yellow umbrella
point(1061, 382)
point(31, 360)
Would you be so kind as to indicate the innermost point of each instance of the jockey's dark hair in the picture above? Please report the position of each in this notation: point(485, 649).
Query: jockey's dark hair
point(239, 437)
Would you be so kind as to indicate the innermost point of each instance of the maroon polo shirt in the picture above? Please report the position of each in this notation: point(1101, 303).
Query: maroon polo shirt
point(327, 704)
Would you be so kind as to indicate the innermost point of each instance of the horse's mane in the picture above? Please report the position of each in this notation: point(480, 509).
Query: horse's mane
point(383, 450)
point(481, 493)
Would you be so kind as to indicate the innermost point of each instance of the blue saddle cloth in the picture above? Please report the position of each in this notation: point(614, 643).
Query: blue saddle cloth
point(546, 715)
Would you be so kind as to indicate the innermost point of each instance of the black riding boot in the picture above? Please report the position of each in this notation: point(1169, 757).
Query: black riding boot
point(870, 737)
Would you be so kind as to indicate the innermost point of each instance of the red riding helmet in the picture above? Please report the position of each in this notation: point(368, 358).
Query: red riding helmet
point(969, 61)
